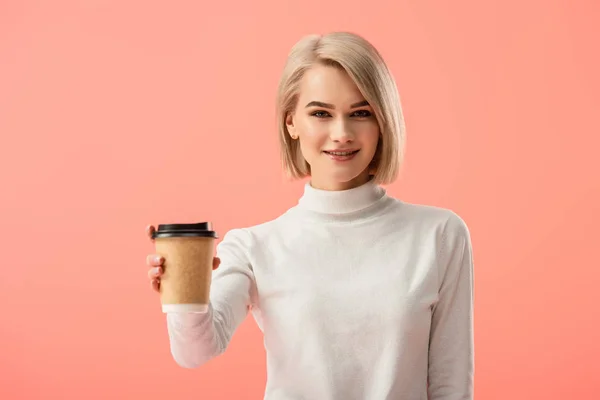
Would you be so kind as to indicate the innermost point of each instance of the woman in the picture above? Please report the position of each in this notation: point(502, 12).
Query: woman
point(359, 295)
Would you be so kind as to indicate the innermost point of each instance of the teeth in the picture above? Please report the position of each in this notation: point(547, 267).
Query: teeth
point(340, 153)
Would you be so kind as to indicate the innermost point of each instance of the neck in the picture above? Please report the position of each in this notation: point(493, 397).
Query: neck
point(360, 180)
point(341, 201)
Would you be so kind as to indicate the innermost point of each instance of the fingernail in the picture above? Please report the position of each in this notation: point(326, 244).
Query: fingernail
point(157, 258)
point(157, 270)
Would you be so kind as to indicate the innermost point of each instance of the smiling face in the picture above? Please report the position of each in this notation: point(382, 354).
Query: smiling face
point(336, 127)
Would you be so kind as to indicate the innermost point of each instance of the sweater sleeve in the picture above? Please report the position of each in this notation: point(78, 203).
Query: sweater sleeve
point(197, 338)
point(451, 344)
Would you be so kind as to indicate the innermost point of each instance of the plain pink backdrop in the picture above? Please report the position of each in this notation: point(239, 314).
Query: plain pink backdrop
point(115, 115)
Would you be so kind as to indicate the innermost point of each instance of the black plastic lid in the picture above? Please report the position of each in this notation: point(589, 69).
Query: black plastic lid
point(201, 229)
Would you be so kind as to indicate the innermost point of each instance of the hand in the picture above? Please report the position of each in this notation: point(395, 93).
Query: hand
point(155, 262)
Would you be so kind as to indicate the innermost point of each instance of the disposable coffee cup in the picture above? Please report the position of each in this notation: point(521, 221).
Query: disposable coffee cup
point(188, 251)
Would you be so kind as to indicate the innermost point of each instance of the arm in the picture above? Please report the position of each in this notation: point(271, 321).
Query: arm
point(197, 338)
point(451, 344)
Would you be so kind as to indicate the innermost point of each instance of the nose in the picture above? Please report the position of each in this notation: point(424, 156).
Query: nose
point(341, 132)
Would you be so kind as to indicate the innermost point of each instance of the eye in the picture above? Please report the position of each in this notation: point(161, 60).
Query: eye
point(362, 113)
point(320, 114)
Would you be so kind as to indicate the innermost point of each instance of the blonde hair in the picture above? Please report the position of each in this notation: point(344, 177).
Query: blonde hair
point(365, 66)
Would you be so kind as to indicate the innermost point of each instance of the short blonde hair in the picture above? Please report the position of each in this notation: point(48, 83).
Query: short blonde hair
point(365, 66)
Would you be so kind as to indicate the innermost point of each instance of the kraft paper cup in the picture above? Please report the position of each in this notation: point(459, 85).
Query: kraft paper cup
point(188, 251)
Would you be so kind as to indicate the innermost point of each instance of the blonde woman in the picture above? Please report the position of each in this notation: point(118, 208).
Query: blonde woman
point(359, 295)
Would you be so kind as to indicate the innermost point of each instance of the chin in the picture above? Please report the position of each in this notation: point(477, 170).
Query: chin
point(344, 175)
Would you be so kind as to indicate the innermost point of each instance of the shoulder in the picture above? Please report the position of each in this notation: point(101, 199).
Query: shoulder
point(439, 218)
point(248, 235)
point(446, 232)
point(451, 232)
point(444, 228)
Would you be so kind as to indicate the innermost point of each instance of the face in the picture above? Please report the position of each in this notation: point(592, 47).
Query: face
point(336, 127)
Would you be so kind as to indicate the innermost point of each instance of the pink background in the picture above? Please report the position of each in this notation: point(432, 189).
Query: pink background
point(115, 115)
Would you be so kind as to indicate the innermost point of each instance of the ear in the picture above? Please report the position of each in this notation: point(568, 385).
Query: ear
point(289, 123)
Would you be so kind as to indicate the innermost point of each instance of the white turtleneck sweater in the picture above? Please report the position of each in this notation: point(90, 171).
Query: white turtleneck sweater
point(359, 296)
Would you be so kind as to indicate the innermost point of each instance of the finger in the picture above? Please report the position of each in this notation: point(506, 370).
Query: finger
point(155, 260)
point(156, 285)
point(149, 231)
point(216, 262)
point(155, 272)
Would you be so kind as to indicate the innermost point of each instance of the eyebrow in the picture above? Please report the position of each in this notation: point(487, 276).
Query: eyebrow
point(331, 106)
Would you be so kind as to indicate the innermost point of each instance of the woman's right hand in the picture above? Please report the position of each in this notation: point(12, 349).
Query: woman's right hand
point(156, 261)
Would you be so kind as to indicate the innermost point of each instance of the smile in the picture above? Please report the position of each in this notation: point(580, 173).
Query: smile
point(341, 155)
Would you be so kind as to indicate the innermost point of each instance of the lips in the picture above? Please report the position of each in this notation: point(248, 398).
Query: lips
point(341, 153)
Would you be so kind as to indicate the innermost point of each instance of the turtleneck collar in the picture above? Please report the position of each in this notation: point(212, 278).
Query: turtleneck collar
point(341, 201)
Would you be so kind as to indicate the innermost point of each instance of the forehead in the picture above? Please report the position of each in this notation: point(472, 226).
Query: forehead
point(330, 85)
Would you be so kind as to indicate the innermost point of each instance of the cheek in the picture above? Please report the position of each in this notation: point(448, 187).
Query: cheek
point(311, 146)
point(313, 135)
point(370, 136)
